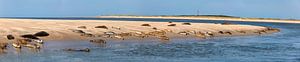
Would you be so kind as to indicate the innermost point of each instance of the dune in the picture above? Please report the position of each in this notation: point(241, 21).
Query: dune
point(70, 29)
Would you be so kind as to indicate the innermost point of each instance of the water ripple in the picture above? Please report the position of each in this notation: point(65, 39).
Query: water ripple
point(208, 50)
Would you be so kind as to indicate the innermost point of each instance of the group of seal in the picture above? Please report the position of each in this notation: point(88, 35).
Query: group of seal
point(158, 32)
point(26, 40)
point(161, 34)
point(34, 41)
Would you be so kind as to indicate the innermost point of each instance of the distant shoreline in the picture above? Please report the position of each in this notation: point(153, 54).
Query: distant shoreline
point(211, 17)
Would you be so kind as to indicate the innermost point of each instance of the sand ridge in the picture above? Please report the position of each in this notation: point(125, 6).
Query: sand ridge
point(64, 29)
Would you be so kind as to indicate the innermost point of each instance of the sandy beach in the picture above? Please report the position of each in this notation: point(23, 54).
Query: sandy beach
point(210, 18)
point(90, 29)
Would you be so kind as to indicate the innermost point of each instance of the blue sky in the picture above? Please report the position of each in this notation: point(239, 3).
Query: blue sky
point(60, 8)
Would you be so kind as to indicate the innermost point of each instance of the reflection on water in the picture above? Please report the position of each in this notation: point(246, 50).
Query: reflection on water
point(283, 46)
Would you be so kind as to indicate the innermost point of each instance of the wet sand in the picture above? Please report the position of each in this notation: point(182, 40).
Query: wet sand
point(68, 29)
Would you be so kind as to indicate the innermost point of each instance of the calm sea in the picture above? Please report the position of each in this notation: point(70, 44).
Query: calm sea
point(279, 47)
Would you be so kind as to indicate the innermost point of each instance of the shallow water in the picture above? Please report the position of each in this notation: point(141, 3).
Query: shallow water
point(283, 46)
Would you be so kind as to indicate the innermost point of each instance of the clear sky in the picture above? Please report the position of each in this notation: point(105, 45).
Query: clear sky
point(58, 8)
